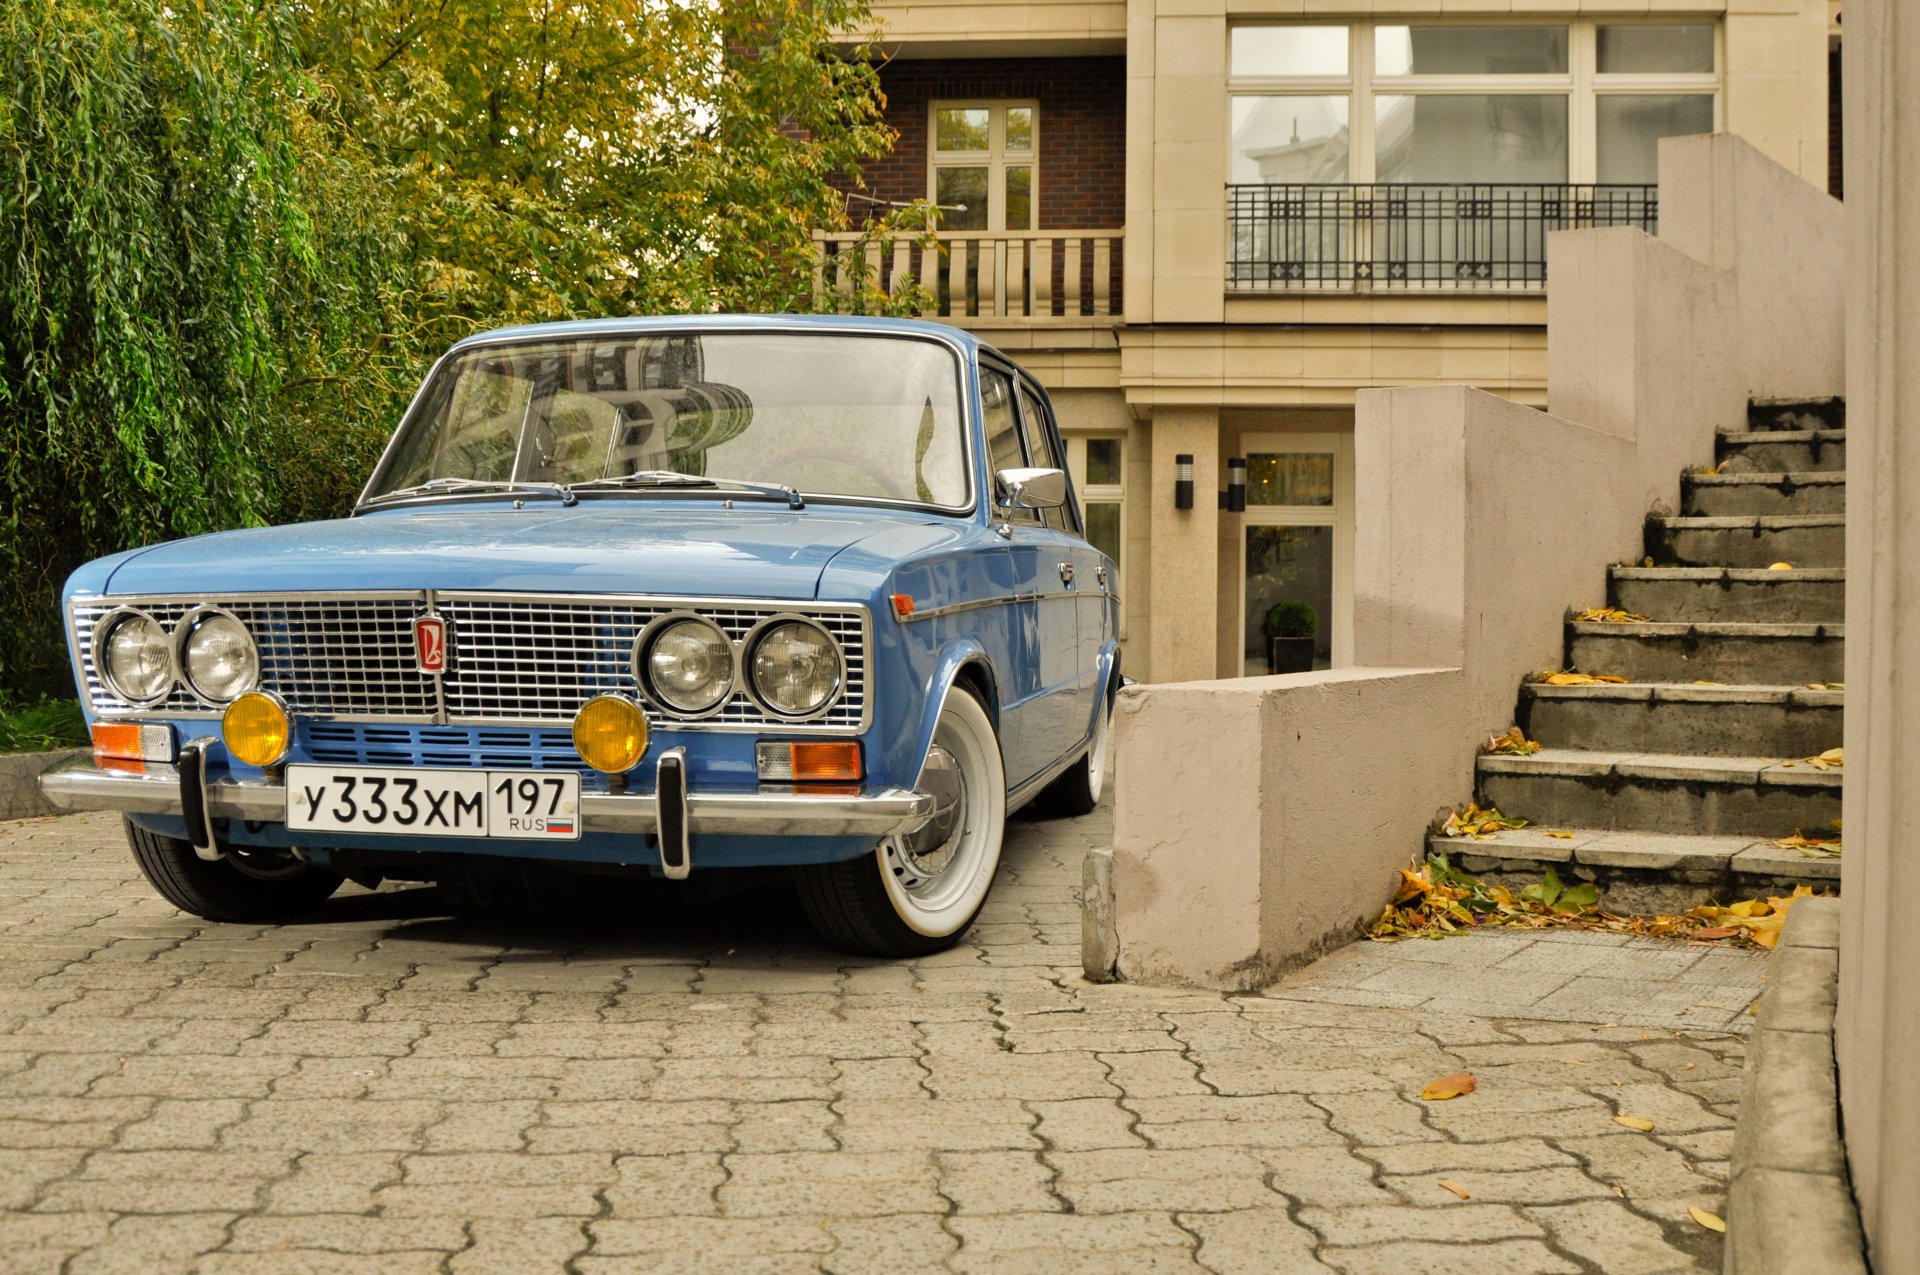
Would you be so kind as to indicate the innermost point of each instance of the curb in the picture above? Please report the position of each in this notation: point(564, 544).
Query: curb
point(20, 782)
point(1790, 1205)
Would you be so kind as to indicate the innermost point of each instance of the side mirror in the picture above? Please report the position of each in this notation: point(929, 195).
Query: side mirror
point(1031, 488)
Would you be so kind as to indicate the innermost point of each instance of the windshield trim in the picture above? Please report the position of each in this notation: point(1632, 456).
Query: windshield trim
point(963, 361)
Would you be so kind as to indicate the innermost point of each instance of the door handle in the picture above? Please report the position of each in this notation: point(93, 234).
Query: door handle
point(1066, 573)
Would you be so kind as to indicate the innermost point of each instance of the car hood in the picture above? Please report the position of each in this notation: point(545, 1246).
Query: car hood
point(599, 545)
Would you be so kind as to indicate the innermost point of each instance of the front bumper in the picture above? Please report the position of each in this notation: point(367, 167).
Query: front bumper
point(767, 811)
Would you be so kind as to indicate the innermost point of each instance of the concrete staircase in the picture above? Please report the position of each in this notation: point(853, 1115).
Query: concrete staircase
point(1671, 788)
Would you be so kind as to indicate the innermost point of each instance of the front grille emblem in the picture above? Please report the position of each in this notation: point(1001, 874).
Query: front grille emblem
point(432, 643)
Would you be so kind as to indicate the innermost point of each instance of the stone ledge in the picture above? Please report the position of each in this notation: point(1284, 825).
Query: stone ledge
point(20, 782)
point(1790, 1207)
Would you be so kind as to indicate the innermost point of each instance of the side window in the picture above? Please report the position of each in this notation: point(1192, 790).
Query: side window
point(1002, 423)
point(1040, 447)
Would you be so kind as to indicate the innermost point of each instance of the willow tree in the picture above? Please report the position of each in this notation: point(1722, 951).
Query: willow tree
point(148, 213)
point(233, 231)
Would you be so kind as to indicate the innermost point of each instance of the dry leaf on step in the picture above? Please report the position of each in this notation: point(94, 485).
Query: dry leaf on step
point(1641, 1123)
point(1712, 1221)
point(1448, 1087)
point(1456, 1188)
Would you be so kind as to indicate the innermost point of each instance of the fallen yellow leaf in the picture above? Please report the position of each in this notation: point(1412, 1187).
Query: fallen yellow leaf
point(1609, 615)
point(1641, 1123)
point(1448, 1087)
point(1780, 566)
point(1712, 1221)
point(1561, 836)
point(1456, 1188)
point(1582, 679)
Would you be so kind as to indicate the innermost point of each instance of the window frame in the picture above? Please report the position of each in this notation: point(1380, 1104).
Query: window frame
point(996, 158)
point(1582, 83)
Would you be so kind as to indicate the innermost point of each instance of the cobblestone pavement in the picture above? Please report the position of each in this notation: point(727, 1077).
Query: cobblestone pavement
point(389, 1088)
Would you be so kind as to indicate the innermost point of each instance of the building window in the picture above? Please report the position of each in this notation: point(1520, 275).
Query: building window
point(1584, 101)
point(1098, 465)
point(984, 158)
point(1396, 155)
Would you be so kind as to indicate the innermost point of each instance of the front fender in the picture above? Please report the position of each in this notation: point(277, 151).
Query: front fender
point(954, 657)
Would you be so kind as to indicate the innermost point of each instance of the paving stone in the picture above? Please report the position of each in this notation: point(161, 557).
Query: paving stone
point(989, 1182)
point(944, 1124)
point(1259, 1241)
point(830, 1182)
point(1086, 1124)
point(887, 1245)
point(1499, 1257)
point(1620, 1244)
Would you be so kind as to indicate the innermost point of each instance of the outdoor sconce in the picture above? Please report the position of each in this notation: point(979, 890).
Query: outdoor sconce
point(1183, 480)
point(1234, 498)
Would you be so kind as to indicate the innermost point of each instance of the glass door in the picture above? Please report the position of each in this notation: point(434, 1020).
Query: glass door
point(1296, 553)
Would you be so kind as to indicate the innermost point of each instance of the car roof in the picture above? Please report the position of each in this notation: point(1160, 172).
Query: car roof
point(736, 322)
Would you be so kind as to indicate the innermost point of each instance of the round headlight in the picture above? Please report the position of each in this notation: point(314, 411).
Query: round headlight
point(218, 655)
point(610, 734)
point(256, 729)
point(796, 668)
point(135, 657)
point(687, 664)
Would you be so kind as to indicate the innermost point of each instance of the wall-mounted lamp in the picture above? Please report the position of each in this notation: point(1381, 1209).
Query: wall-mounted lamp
point(1183, 480)
point(1234, 498)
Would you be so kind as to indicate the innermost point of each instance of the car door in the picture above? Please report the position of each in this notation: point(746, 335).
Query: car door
point(1063, 574)
point(1090, 580)
point(1023, 731)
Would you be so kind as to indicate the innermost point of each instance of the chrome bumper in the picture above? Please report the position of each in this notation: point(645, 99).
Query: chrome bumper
point(81, 785)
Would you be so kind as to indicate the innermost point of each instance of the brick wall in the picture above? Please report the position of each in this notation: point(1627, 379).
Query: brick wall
point(1082, 129)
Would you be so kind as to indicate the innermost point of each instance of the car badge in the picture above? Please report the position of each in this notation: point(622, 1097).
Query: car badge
point(431, 643)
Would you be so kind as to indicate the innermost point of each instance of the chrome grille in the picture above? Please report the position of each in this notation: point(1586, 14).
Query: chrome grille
point(518, 659)
point(327, 656)
point(533, 659)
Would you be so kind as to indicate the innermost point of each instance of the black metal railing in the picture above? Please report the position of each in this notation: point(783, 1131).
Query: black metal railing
point(1413, 236)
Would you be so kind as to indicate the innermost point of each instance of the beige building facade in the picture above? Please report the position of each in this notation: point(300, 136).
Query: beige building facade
point(1315, 197)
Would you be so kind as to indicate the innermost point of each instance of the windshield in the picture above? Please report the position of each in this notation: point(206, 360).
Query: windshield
point(869, 417)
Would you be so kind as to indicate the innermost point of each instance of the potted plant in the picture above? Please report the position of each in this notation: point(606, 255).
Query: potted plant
point(1289, 628)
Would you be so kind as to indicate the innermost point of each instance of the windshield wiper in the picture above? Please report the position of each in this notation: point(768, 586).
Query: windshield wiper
point(434, 486)
point(673, 478)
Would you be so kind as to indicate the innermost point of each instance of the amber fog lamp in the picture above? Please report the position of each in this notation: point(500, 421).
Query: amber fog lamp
point(610, 734)
point(257, 729)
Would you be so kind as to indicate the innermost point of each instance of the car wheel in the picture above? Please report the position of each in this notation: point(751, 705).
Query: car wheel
point(243, 885)
point(918, 893)
point(1077, 790)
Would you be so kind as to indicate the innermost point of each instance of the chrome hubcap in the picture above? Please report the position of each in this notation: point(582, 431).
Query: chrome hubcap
point(927, 852)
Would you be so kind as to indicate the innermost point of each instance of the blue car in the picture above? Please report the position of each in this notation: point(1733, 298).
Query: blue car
point(652, 596)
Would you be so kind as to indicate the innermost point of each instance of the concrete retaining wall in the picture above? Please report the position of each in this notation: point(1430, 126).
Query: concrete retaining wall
point(1258, 821)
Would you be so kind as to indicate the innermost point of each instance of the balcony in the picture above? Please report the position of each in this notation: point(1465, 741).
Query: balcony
point(984, 278)
point(1399, 238)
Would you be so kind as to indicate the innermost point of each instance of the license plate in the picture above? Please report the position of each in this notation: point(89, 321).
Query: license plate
point(539, 805)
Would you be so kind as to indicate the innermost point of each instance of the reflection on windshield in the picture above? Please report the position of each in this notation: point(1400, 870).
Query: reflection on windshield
point(830, 414)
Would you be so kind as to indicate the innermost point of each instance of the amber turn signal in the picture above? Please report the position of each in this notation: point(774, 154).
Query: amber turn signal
point(256, 729)
point(610, 734)
point(811, 761)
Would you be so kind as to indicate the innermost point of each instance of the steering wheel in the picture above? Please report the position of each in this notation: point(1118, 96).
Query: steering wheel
point(770, 469)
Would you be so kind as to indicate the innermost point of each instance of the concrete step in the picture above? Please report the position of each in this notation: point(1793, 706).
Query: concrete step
point(1662, 792)
point(1749, 540)
point(1792, 451)
point(1816, 595)
point(1663, 717)
point(1735, 653)
point(1642, 872)
point(1796, 413)
point(1814, 491)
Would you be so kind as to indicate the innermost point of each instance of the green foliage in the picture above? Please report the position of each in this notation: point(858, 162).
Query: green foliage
point(233, 232)
point(1290, 620)
point(36, 728)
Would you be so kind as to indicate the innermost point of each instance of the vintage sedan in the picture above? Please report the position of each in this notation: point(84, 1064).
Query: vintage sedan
point(649, 596)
